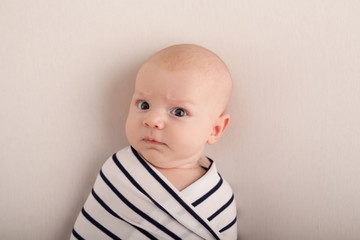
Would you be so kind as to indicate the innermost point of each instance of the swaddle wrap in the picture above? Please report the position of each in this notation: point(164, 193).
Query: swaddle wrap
point(132, 200)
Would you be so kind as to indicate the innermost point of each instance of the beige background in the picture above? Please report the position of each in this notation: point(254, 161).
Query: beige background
point(292, 152)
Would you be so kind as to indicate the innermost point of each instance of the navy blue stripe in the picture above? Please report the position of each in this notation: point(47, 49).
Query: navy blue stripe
point(228, 226)
point(76, 235)
point(177, 198)
point(103, 204)
point(208, 194)
point(107, 208)
point(136, 184)
point(222, 208)
point(138, 211)
point(98, 225)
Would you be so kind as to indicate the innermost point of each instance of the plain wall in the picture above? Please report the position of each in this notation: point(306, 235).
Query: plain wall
point(291, 152)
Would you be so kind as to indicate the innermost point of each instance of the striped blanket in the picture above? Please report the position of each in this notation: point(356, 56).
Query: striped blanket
point(132, 200)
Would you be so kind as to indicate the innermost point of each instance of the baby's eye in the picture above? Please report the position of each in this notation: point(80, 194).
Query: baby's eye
point(143, 105)
point(178, 112)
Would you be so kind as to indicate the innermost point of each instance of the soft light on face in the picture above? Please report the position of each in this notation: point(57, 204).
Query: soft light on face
point(171, 116)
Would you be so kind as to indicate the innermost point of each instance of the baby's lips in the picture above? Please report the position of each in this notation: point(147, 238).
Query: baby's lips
point(153, 141)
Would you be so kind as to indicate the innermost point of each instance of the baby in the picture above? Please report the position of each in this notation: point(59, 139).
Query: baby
point(161, 186)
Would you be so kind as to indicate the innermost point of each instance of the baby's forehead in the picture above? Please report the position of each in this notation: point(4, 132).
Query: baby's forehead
point(210, 69)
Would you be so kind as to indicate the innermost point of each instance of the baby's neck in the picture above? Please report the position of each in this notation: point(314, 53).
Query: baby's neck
point(182, 177)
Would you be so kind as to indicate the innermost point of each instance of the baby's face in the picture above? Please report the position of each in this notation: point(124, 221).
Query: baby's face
point(171, 116)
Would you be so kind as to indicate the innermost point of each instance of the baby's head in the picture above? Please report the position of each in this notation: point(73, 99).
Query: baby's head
point(178, 106)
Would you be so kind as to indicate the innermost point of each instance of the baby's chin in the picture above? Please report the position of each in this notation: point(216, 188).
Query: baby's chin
point(156, 160)
point(161, 160)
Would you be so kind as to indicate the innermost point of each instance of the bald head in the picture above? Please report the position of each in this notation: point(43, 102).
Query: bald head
point(188, 57)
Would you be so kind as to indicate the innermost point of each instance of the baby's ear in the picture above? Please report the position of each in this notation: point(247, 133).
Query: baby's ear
point(219, 128)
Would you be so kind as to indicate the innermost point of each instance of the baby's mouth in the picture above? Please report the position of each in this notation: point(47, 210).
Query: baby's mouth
point(153, 141)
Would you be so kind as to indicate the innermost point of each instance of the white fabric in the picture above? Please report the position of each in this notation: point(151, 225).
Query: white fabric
point(132, 200)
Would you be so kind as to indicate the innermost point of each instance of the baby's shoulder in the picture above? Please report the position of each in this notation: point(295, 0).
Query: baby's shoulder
point(122, 155)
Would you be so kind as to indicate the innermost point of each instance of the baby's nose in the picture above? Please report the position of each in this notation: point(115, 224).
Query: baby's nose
point(154, 120)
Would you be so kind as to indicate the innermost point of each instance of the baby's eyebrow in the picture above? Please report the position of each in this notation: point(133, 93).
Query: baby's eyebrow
point(138, 93)
point(182, 102)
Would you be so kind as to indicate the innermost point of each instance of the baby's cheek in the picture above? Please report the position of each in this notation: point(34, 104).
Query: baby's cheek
point(187, 138)
point(130, 130)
